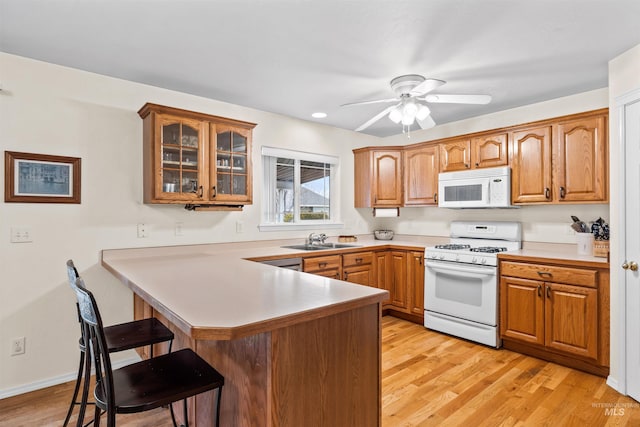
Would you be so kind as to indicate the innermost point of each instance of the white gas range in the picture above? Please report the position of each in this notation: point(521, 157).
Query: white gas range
point(461, 284)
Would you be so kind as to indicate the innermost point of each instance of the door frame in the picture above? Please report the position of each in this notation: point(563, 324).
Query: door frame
point(620, 383)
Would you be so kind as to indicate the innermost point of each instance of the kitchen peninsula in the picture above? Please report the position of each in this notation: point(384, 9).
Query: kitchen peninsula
point(295, 349)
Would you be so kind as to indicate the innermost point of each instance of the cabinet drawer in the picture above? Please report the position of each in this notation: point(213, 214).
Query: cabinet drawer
point(359, 258)
point(321, 263)
point(548, 273)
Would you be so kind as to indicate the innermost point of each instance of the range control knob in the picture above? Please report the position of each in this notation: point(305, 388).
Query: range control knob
point(474, 260)
point(441, 256)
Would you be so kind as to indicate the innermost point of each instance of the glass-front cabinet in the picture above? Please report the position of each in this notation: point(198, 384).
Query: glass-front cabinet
point(232, 176)
point(195, 159)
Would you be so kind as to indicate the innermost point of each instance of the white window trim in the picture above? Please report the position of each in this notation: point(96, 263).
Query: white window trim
point(335, 196)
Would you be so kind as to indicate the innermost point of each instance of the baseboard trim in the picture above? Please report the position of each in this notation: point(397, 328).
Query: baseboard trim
point(26, 388)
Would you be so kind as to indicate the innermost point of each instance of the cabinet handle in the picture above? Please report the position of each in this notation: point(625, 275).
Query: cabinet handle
point(346, 276)
point(539, 290)
point(322, 264)
point(562, 192)
point(338, 276)
point(214, 193)
point(545, 274)
point(435, 197)
point(420, 260)
point(547, 193)
point(466, 165)
point(200, 191)
point(549, 292)
point(358, 260)
point(477, 164)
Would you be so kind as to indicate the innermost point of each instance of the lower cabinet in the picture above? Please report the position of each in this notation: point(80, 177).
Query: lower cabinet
point(556, 312)
point(401, 272)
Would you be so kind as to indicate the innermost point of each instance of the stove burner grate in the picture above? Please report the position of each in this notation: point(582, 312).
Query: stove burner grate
point(453, 246)
point(489, 249)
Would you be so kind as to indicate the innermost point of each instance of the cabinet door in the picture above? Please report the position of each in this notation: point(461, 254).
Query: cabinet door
point(455, 155)
point(522, 310)
point(387, 178)
point(230, 160)
point(572, 319)
point(531, 165)
point(362, 275)
point(398, 274)
point(382, 272)
point(179, 154)
point(421, 167)
point(581, 160)
point(415, 282)
point(489, 151)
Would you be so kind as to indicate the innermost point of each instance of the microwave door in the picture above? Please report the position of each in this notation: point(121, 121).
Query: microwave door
point(466, 193)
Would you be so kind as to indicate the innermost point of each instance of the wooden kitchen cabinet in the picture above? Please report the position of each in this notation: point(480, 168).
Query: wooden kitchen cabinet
point(421, 168)
point(581, 160)
point(328, 266)
point(455, 155)
point(564, 161)
point(398, 276)
point(531, 165)
point(195, 159)
point(358, 268)
point(378, 177)
point(557, 311)
point(382, 273)
point(415, 282)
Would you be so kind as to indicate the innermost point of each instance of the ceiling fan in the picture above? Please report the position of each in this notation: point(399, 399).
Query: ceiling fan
point(410, 89)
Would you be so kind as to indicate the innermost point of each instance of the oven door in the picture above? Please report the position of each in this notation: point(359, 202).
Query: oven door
point(461, 290)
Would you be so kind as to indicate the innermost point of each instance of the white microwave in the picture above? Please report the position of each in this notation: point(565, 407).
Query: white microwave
point(477, 188)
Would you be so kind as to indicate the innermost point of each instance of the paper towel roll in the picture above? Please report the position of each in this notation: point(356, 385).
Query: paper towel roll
point(386, 212)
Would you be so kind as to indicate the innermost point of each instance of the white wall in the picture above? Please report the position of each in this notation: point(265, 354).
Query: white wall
point(624, 76)
point(45, 108)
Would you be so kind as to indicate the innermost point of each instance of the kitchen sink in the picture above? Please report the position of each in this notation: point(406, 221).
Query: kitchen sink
point(320, 247)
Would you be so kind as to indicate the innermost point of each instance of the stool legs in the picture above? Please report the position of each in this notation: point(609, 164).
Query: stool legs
point(75, 391)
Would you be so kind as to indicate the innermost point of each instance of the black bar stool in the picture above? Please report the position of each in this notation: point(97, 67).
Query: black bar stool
point(120, 337)
point(145, 385)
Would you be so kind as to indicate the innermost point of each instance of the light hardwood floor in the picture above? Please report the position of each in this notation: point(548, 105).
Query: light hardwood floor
point(428, 379)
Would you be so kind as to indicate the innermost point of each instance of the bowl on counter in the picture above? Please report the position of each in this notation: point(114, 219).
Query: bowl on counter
point(383, 234)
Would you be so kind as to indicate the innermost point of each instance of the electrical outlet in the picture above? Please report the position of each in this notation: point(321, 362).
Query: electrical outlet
point(178, 230)
point(143, 231)
point(21, 235)
point(17, 346)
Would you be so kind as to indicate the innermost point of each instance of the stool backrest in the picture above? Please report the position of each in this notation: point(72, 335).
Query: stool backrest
point(94, 333)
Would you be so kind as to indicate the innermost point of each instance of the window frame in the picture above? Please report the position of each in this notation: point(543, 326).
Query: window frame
point(268, 222)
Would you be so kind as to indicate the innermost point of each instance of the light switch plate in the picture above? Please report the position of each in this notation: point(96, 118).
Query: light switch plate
point(21, 235)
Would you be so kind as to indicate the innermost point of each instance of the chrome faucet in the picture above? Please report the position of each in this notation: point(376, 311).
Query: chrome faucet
point(315, 238)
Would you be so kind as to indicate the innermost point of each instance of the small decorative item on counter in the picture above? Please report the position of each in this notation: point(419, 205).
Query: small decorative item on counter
point(383, 234)
point(600, 231)
point(347, 239)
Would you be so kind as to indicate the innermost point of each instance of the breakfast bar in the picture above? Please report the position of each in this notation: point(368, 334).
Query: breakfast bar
point(295, 349)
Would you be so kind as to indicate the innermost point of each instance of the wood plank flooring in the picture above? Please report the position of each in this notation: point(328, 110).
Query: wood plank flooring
point(428, 379)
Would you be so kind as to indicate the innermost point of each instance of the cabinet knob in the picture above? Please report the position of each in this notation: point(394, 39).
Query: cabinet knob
point(435, 197)
point(563, 192)
point(547, 193)
point(632, 265)
point(477, 164)
point(466, 165)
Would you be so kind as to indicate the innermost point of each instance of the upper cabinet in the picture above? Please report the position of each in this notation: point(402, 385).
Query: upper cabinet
point(564, 161)
point(581, 160)
point(378, 177)
point(483, 151)
point(195, 159)
point(421, 175)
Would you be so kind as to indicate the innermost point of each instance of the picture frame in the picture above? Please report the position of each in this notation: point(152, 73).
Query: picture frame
point(41, 178)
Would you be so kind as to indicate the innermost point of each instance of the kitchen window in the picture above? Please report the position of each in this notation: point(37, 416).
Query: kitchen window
point(300, 190)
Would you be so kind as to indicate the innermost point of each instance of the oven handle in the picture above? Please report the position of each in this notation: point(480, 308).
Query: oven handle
point(461, 269)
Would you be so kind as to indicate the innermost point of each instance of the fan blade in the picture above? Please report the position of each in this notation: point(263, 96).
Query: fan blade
point(426, 86)
point(426, 123)
point(458, 99)
point(376, 118)
point(376, 101)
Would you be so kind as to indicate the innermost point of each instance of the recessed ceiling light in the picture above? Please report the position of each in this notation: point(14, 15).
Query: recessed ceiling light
point(319, 115)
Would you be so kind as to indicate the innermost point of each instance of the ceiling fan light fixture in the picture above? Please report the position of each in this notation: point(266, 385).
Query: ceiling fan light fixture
point(395, 115)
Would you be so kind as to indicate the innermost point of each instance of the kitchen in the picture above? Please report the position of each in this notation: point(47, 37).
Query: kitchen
point(68, 114)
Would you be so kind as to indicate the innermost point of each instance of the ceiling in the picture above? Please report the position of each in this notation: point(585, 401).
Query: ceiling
point(296, 57)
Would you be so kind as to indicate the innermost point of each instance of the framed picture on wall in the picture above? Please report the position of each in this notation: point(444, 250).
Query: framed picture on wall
point(41, 178)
